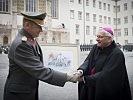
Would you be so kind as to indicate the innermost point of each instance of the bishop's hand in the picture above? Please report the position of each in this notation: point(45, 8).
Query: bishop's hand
point(72, 78)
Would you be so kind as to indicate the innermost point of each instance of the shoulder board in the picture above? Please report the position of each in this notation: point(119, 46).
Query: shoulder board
point(24, 39)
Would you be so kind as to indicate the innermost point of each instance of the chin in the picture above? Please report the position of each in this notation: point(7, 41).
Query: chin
point(37, 36)
point(98, 45)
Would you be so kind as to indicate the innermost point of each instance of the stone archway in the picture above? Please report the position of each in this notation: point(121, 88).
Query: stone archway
point(5, 40)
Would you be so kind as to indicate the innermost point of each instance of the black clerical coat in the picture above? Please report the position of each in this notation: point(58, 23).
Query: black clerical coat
point(26, 69)
point(109, 80)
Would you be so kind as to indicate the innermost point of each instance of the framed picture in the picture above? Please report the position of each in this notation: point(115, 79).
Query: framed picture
point(61, 57)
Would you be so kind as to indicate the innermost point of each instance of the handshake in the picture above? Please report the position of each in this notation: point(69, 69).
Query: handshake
point(77, 76)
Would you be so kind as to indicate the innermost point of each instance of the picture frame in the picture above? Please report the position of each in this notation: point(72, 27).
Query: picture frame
point(61, 57)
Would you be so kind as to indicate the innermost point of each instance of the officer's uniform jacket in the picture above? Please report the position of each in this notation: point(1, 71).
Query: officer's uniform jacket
point(26, 68)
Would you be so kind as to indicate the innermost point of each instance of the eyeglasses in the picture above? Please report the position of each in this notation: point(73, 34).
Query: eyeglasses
point(37, 27)
point(34, 25)
point(100, 36)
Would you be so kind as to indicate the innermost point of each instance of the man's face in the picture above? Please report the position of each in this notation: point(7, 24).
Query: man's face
point(103, 40)
point(34, 30)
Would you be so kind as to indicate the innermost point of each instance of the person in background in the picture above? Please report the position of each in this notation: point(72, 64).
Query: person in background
point(26, 63)
point(103, 74)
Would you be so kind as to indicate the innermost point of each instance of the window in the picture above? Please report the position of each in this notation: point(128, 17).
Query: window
point(132, 4)
point(94, 3)
point(126, 19)
point(126, 41)
point(105, 20)
point(108, 7)
point(114, 21)
point(104, 6)
point(72, 1)
point(77, 41)
point(100, 27)
point(77, 29)
point(114, 9)
point(87, 2)
point(125, 6)
point(109, 20)
point(42, 39)
point(119, 32)
point(132, 18)
point(115, 31)
point(87, 30)
point(100, 5)
point(119, 21)
point(100, 18)
point(80, 1)
point(126, 31)
point(94, 30)
point(71, 14)
point(30, 5)
point(91, 41)
point(54, 8)
point(4, 5)
point(94, 17)
point(79, 15)
point(118, 8)
point(132, 31)
point(87, 16)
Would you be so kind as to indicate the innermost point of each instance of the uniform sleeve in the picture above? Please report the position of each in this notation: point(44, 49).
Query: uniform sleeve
point(25, 58)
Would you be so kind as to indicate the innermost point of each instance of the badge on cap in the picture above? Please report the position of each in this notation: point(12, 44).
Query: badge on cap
point(34, 17)
point(24, 38)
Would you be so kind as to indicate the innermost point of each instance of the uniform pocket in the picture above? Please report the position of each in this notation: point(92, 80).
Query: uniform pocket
point(19, 88)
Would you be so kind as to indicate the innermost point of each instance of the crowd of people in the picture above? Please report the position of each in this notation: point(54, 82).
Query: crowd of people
point(4, 49)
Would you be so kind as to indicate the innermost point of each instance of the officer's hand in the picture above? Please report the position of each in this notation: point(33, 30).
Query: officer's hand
point(72, 78)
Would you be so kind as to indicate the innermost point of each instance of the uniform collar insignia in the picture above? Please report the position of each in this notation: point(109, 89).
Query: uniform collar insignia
point(31, 40)
point(24, 38)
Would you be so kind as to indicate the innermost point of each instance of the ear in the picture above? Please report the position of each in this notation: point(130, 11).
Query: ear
point(110, 39)
point(27, 26)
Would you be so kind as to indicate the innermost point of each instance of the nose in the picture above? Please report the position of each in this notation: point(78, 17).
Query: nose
point(97, 39)
point(41, 29)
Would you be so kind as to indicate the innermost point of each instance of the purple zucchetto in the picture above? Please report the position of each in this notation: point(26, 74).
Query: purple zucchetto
point(108, 30)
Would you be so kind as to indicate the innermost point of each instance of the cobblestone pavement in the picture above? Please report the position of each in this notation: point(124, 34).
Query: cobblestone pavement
point(69, 91)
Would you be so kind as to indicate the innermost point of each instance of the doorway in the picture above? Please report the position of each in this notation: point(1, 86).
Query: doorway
point(5, 40)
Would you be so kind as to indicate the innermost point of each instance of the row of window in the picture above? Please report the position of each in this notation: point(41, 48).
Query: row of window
point(30, 5)
point(4, 5)
point(88, 17)
point(87, 3)
point(118, 31)
point(105, 5)
point(125, 7)
point(102, 19)
point(126, 32)
point(77, 29)
point(126, 20)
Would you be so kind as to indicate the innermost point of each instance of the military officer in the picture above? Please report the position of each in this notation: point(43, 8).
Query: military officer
point(26, 63)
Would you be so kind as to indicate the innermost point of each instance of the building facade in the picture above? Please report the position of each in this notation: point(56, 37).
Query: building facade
point(69, 21)
point(83, 19)
point(11, 20)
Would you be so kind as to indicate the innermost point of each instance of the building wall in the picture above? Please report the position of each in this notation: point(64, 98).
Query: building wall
point(11, 22)
point(64, 16)
point(123, 13)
